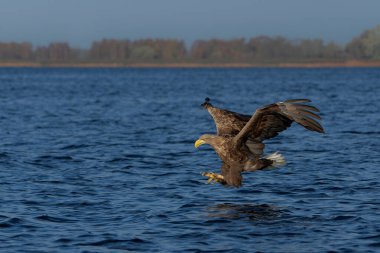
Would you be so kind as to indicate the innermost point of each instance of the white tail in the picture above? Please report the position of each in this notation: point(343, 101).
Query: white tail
point(277, 158)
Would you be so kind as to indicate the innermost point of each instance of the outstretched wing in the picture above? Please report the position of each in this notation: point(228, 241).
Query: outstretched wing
point(226, 122)
point(269, 121)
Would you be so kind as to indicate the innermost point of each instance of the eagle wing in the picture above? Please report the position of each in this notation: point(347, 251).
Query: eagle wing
point(226, 122)
point(268, 121)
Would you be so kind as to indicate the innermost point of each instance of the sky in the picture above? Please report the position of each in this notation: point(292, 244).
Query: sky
point(80, 22)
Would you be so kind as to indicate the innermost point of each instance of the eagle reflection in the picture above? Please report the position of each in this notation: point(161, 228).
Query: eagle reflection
point(252, 212)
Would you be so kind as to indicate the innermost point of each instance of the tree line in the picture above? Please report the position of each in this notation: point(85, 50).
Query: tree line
point(256, 50)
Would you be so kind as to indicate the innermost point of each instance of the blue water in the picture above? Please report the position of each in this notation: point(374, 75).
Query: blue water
point(102, 160)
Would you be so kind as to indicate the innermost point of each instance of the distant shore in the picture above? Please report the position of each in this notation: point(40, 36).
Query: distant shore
point(359, 64)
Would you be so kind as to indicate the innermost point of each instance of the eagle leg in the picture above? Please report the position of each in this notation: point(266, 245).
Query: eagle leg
point(214, 177)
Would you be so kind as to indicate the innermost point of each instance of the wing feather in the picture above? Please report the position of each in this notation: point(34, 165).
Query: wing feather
point(305, 107)
point(298, 114)
point(302, 100)
point(269, 121)
point(311, 114)
point(309, 123)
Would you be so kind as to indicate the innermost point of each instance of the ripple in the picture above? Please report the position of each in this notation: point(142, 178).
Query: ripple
point(63, 240)
point(376, 244)
point(51, 157)
point(5, 225)
point(75, 146)
point(53, 219)
point(344, 218)
point(4, 155)
point(362, 132)
point(15, 223)
point(131, 244)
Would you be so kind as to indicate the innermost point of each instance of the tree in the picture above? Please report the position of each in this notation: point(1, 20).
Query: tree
point(366, 46)
point(216, 50)
point(110, 51)
point(16, 51)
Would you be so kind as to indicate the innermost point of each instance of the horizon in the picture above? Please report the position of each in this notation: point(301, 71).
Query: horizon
point(94, 20)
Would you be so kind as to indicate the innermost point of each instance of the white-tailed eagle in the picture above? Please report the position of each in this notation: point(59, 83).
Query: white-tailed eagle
point(239, 138)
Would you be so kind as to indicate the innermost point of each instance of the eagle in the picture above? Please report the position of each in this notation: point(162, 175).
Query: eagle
point(239, 138)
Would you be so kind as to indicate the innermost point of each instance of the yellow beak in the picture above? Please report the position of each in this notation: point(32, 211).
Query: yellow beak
point(198, 143)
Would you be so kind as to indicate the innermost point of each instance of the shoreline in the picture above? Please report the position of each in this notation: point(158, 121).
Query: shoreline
point(349, 64)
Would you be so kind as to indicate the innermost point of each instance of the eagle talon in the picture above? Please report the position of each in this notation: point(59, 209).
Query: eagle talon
point(213, 177)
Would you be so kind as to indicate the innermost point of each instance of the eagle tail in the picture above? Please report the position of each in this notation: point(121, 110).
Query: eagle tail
point(277, 159)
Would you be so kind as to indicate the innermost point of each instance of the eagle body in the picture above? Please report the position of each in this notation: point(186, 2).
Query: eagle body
point(227, 149)
point(239, 138)
point(235, 156)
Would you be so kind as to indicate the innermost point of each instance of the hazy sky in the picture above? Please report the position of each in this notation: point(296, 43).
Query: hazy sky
point(82, 21)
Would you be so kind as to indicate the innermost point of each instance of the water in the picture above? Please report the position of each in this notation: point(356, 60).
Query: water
point(102, 160)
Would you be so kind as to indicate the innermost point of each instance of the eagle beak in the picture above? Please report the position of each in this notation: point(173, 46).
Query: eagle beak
point(198, 143)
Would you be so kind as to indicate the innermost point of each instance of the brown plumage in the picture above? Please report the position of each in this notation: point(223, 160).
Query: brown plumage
point(239, 138)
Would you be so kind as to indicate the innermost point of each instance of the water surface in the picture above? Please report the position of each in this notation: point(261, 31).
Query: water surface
point(102, 160)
